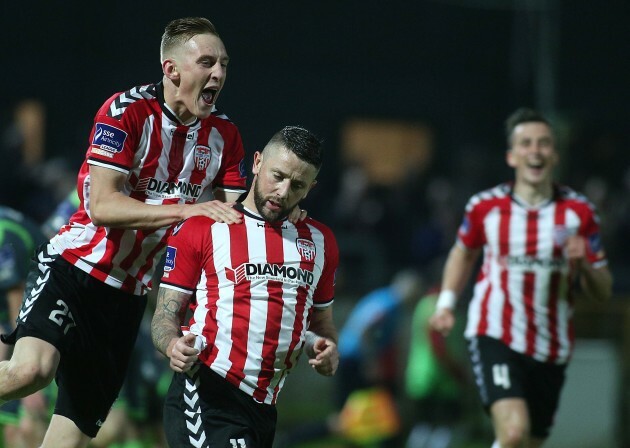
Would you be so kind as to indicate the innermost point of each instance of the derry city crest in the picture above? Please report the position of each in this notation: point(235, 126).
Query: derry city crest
point(203, 155)
point(306, 248)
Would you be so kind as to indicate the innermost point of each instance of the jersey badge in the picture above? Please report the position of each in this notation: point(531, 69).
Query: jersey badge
point(203, 155)
point(595, 244)
point(109, 138)
point(306, 248)
point(169, 262)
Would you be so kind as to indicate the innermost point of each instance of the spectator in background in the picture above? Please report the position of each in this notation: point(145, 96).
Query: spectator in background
point(369, 368)
point(31, 183)
point(539, 240)
point(435, 379)
point(370, 336)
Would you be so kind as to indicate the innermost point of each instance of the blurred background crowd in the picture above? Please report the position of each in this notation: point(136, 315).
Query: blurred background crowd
point(410, 99)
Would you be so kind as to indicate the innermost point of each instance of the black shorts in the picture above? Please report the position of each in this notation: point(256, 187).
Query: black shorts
point(500, 372)
point(94, 327)
point(203, 409)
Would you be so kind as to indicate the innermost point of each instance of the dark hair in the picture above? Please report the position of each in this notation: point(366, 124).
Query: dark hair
point(181, 30)
point(301, 142)
point(520, 116)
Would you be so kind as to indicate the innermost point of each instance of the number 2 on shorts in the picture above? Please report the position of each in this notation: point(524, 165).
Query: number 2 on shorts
point(64, 314)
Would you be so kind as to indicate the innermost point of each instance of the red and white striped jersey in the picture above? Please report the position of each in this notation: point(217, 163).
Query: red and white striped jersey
point(523, 294)
point(255, 285)
point(166, 162)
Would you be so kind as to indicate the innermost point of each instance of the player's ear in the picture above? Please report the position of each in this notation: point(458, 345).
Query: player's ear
point(258, 158)
point(309, 188)
point(169, 67)
point(509, 158)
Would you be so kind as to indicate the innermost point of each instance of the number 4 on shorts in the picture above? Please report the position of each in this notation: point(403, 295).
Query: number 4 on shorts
point(501, 375)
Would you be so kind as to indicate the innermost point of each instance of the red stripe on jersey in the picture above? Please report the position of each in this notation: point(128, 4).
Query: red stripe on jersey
point(554, 287)
point(176, 153)
point(210, 327)
point(151, 259)
point(112, 243)
point(152, 163)
point(504, 251)
point(554, 343)
point(239, 254)
point(529, 282)
point(275, 255)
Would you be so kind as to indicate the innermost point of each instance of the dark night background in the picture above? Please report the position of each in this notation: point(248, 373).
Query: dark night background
point(460, 67)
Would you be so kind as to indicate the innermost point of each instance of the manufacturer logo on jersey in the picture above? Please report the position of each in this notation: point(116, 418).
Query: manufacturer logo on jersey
point(267, 271)
point(203, 155)
point(168, 190)
point(306, 248)
point(178, 134)
point(109, 138)
point(169, 262)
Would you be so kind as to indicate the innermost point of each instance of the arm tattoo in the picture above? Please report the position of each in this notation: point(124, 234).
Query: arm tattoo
point(170, 312)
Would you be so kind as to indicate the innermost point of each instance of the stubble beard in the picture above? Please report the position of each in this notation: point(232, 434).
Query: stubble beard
point(269, 216)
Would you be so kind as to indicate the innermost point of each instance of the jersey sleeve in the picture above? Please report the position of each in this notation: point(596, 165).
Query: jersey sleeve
point(113, 139)
point(590, 231)
point(184, 260)
point(232, 175)
point(471, 234)
point(325, 290)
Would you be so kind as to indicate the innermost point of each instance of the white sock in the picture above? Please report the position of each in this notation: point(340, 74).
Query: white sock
point(496, 444)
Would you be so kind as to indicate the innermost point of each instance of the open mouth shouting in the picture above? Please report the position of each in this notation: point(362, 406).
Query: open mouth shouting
point(209, 96)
